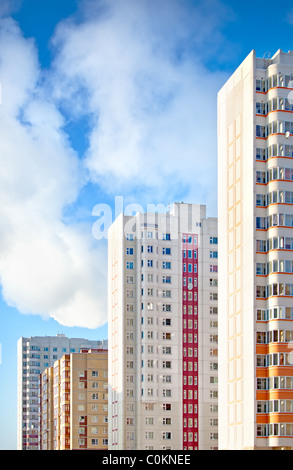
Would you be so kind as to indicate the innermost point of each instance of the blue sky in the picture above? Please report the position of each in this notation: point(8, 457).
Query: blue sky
point(103, 99)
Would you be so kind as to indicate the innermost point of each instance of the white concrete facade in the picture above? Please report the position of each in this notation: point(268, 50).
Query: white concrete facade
point(255, 128)
point(163, 330)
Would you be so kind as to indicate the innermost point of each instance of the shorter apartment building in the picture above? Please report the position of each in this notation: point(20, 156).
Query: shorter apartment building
point(34, 355)
point(74, 402)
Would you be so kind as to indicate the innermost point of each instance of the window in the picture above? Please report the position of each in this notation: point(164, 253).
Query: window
point(167, 406)
point(167, 378)
point(166, 265)
point(260, 108)
point(167, 421)
point(166, 236)
point(129, 265)
point(166, 293)
point(166, 307)
point(149, 420)
point(213, 268)
point(167, 435)
point(166, 251)
point(260, 131)
point(260, 291)
point(166, 364)
point(166, 335)
point(129, 251)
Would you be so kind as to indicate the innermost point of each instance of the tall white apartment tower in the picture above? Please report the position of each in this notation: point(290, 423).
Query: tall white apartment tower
point(255, 197)
point(162, 323)
point(34, 355)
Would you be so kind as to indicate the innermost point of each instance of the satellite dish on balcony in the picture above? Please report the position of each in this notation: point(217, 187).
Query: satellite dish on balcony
point(287, 134)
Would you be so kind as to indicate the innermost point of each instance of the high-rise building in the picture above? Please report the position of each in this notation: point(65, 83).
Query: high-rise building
point(163, 337)
point(34, 355)
point(46, 433)
point(255, 199)
point(74, 402)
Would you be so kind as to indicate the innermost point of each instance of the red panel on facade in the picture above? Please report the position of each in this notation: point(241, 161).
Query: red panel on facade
point(189, 340)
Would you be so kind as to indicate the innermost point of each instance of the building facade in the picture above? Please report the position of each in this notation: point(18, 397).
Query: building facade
point(46, 410)
point(162, 284)
point(34, 355)
point(255, 169)
point(74, 402)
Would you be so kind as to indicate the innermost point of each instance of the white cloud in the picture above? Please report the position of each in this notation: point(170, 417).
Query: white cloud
point(135, 70)
point(152, 100)
point(46, 267)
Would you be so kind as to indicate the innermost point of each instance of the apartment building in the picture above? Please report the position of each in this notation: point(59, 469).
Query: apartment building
point(163, 335)
point(34, 355)
point(46, 410)
point(74, 402)
point(255, 189)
